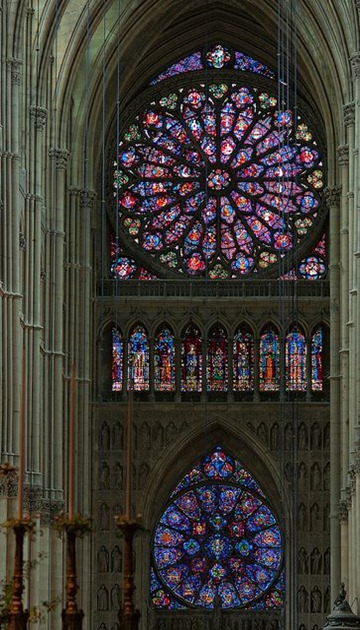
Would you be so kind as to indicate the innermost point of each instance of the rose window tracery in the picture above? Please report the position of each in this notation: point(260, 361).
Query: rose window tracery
point(218, 537)
point(215, 181)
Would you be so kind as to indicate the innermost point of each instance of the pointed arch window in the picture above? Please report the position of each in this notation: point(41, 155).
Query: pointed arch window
point(218, 537)
point(191, 360)
point(117, 360)
point(139, 359)
point(217, 360)
point(164, 360)
point(243, 359)
point(295, 360)
point(317, 348)
point(269, 367)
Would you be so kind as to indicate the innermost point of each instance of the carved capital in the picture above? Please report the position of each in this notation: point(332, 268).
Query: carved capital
point(349, 114)
point(14, 65)
point(343, 153)
point(39, 116)
point(61, 157)
point(355, 63)
point(332, 195)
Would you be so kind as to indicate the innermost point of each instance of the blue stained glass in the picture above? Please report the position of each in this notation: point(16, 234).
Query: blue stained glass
point(117, 361)
point(217, 539)
point(317, 360)
point(138, 359)
point(218, 465)
point(188, 504)
point(295, 361)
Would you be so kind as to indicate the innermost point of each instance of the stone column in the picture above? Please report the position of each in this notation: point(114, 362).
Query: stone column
point(54, 349)
point(343, 154)
point(333, 200)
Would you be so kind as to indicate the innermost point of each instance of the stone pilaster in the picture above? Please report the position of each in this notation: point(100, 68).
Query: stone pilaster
point(333, 196)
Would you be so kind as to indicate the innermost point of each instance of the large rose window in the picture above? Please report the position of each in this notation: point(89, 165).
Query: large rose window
point(215, 181)
point(218, 537)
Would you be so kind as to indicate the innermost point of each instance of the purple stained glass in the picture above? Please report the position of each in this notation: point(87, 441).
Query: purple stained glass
point(269, 376)
point(217, 183)
point(192, 62)
point(217, 538)
point(117, 360)
point(164, 361)
point(295, 361)
point(317, 349)
point(138, 353)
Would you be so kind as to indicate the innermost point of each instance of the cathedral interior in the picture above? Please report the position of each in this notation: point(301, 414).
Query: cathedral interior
point(180, 309)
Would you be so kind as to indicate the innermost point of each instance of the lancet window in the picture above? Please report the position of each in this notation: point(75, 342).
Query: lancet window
point(269, 372)
point(295, 360)
point(138, 359)
point(217, 360)
point(191, 360)
point(164, 360)
point(243, 359)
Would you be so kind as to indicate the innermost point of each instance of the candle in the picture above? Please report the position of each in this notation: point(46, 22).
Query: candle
point(128, 454)
point(22, 438)
point(72, 403)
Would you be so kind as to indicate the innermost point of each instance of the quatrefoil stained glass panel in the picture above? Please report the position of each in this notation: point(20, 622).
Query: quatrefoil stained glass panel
point(218, 536)
point(213, 180)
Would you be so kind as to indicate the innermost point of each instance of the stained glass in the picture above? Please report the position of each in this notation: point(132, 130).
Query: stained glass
point(216, 57)
point(138, 359)
point(243, 360)
point(191, 360)
point(317, 360)
point(295, 361)
point(117, 361)
point(269, 367)
point(220, 183)
point(164, 361)
point(218, 538)
point(217, 360)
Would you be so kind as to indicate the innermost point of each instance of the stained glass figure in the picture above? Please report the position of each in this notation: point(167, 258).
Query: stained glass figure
point(295, 360)
point(124, 267)
point(191, 360)
point(117, 360)
point(164, 361)
point(217, 360)
point(138, 359)
point(269, 367)
point(317, 360)
point(217, 182)
point(218, 537)
point(243, 360)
